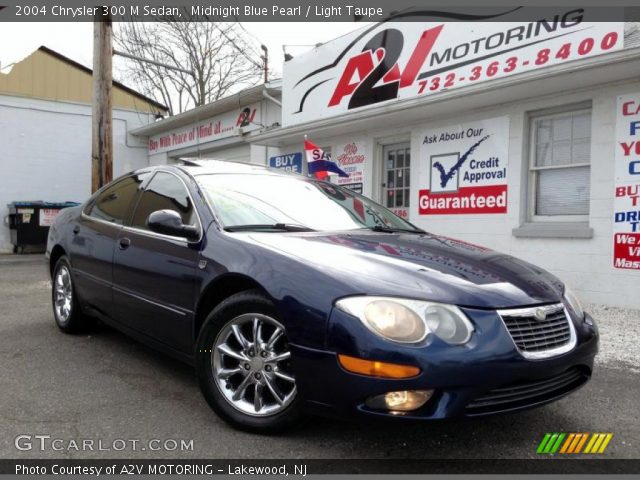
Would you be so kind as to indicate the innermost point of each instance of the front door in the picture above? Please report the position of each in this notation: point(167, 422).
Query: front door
point(153, 274)
point(396, 178)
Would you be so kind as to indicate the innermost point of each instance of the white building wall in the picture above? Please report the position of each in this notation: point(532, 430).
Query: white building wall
point(585, 264)
point(46, 152)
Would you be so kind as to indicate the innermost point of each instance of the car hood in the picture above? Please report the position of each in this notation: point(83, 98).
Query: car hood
point(419, 266)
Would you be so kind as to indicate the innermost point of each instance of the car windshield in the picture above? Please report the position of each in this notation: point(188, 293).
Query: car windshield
point(281, 202)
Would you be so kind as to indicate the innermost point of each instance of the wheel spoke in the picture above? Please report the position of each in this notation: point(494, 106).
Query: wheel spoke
point(257, 397)
point(240, 337)
point(284, 377)
point(256, 333)
point(274, 391)
point(227, 373)
point(274, 338)
point(239, 393)
point(226, 350)
point(280, 357)
point(65, 277)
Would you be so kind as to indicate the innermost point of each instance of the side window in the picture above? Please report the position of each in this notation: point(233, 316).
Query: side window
point(114, 204)
point(164, 192)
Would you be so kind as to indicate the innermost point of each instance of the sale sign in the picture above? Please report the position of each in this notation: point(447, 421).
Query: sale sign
point(626, 215)
point(396, 60)
point(467, 168)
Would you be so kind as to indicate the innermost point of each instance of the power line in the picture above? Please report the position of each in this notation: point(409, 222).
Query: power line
point(237, 47)
point(260, 42)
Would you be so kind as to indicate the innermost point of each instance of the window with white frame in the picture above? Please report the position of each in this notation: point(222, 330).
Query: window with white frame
point(560, 165)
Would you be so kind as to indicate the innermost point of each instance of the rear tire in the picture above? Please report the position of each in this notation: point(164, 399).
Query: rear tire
point(243, 365)
point(64, 300)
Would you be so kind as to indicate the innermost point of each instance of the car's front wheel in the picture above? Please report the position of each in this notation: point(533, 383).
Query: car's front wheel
point(244, 365)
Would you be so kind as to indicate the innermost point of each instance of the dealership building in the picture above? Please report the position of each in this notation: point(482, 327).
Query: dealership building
point(517, 137)
point(521, 137)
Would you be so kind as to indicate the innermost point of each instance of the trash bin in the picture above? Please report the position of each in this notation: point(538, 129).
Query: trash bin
point(29, 222)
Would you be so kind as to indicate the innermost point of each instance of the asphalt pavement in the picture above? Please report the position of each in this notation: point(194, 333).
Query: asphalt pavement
point(106, 387)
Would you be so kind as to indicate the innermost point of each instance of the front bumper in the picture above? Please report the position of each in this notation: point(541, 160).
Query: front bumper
point(462, 377)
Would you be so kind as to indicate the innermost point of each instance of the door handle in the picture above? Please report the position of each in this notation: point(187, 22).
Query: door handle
point(76, 229)
point(124, 243)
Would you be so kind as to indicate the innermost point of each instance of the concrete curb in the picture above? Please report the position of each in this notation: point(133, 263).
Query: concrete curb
point(27, 258)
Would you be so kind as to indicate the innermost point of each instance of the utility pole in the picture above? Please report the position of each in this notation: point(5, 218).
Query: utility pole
point(265, 59)
point(102, 134)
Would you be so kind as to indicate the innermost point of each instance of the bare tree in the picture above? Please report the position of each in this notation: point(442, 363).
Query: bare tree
point(219, 59)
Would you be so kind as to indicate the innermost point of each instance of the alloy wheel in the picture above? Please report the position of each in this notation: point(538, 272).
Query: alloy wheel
point(251, 365)
point(63, 290)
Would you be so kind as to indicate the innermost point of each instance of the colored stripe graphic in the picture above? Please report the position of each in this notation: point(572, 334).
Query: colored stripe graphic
point(543, 443)
point(573, 443)
point(581, 443)
point(567, 443)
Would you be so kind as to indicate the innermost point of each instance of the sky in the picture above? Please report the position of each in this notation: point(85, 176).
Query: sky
point(74, 39)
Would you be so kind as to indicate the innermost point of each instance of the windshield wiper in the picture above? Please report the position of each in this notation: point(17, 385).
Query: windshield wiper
point(284, 227)
point(381, 228)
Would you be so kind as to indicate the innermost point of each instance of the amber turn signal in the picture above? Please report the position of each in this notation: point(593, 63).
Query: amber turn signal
point(377, 369)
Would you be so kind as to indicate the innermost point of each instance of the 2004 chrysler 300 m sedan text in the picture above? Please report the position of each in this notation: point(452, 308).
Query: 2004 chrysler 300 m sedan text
point(290, 294)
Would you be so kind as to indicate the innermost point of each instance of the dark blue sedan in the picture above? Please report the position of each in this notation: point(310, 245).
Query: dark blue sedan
point(292, 295)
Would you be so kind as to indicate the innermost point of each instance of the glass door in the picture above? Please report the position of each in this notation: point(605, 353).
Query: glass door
point(396, 178)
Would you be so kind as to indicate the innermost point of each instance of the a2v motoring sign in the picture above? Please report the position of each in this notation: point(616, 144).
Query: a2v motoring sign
point(466, 168)
point(398, 60)
point(626, 226)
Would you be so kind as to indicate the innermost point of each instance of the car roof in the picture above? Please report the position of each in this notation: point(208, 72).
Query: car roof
point(195, 167)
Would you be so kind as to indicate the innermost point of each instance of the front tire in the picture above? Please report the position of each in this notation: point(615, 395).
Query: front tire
point(243, 365)
point(66, 308)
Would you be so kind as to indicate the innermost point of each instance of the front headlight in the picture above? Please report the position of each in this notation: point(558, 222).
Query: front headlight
point(409, 321)
point(574, 303)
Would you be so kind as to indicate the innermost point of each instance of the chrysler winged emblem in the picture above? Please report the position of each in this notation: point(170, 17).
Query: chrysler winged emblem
point(540, 314)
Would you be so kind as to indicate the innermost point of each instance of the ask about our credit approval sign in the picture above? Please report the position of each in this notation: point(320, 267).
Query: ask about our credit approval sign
point(626, 215)
point(464, 168)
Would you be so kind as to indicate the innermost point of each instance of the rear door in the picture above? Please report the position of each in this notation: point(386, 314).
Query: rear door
point(94, 238)
point(154, 275)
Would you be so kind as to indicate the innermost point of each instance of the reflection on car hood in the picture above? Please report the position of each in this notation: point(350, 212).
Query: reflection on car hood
point(419, 266)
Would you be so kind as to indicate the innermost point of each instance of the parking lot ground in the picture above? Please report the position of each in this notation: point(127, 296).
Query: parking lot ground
point(106, 386)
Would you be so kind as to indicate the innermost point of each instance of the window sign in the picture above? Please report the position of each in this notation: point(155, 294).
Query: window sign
point(291, 162)
point(466, 168)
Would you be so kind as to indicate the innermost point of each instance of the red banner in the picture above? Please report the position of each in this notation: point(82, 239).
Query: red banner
point(626, 250)
point(484, 199)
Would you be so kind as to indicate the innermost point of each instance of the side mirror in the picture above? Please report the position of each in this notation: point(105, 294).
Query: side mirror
point(169, 222)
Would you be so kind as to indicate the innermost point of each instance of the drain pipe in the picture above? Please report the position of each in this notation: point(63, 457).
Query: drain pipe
point(266, 95)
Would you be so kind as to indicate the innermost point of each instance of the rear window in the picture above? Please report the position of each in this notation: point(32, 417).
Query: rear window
point(114, 204)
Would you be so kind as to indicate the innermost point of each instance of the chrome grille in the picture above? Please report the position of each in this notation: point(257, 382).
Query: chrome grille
point(540, 332)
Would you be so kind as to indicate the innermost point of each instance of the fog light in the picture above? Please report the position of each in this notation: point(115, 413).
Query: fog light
point(402, 401)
